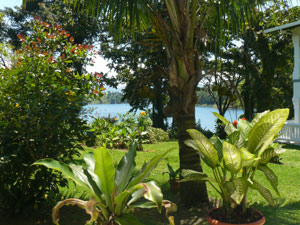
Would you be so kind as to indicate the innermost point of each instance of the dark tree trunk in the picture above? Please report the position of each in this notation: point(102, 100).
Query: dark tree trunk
point(191, 193)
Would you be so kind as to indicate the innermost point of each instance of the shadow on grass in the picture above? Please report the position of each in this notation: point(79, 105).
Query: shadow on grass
point(287, 214)
point(291, 146)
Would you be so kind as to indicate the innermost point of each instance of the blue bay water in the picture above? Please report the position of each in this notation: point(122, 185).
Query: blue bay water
point(203, 113)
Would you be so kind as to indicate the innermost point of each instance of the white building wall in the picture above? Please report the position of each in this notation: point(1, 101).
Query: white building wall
point(296, 74)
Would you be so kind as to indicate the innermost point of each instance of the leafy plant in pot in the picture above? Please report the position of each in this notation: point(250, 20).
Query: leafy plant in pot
point(234, 162)
point(173, 178)
point(114, 192)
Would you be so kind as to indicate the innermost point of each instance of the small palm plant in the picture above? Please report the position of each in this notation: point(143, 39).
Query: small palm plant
point(114, 192)
point(234, 162)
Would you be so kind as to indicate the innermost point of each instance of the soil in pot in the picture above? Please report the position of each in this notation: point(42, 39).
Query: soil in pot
point(251, 216)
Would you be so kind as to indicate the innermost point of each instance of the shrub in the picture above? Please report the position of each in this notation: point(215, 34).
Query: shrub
point(120, 133)
point(156, 134)
point(41, 98)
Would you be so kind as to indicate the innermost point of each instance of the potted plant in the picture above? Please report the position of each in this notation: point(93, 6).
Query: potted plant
point(114, 192)
point(234, 162)
point(173, 178)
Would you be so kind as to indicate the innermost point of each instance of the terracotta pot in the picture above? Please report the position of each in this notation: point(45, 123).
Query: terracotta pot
point(174, 185)
point(212, 221)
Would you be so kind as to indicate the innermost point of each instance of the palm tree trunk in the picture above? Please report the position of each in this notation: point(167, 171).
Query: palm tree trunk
point(191, 193)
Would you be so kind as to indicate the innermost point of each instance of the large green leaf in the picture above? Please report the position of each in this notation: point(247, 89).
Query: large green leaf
point(236, 139)
point(153, 194)
point(147, 169)
point(270, 175)
point(75, 172)
point(232, 157)
point(105, 170)
point(93, 179)
point(121, 201)
point(244, 127)
point(218, 144)
point(264, 131)
point(247, 158)
point(268, 154)
point(229, 129)
point(222, 118)
point(207, 151)
point(262, 190)
point(237, 189)
point(127, 219)
point(191, 175)
point(258, 116)
point(125, 169)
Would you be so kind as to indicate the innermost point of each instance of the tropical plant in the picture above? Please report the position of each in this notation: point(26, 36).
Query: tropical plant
point(173, 174)
point(235, 161)
point(114, 192)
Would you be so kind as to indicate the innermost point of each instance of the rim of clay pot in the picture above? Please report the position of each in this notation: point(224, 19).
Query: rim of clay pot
point(212, 221)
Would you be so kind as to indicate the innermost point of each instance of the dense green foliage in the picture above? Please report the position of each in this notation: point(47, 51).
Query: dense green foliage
point(41, 98)
point(114, 190)
point(120, 133)
point(248, 148)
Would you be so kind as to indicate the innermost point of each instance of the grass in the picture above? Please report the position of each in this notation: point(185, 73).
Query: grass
point(286, 211)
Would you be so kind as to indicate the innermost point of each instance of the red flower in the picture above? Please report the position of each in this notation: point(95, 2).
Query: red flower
point(95, 92)
point(39, 40)
point(50, 59)
point(71, 39)
point(235, 123)
point(243, 118)
point(20, 36)
point(67, 35)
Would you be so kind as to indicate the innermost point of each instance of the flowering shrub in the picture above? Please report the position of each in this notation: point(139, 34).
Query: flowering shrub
point(41, 95)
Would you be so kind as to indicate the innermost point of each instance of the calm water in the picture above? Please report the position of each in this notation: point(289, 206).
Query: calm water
point(204, 114)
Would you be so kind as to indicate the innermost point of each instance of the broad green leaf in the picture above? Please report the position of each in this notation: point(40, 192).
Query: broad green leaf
point(153, 194)
point(144, 205)
point(136, 196)
point(258, 116)
point(207, 151)
point(147, 168)
point(268, 154)
point(218, 144)
point(93, 179)
point(247, 158)
point(232, 157)
point(191, 175)
point(272, 178)
point(127, 219)
point(77, 176)
point(244, 127)
point(105, 170)
point(262, 190)
point(125, 168)
point(237, 189)
point(121, 200)
point(264, 131)
point(222, 118)
point(229, 129)
point(236, 139)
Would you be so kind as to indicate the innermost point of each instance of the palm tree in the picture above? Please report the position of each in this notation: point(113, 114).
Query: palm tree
point(182, 25)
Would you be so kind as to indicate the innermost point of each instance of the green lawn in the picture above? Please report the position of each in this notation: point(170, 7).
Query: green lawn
point(287, 209)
